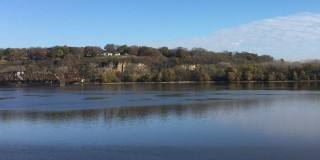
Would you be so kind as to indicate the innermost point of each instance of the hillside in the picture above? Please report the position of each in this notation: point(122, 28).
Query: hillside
point(146, 64)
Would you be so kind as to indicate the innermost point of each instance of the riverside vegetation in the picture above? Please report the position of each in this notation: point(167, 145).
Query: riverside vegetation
point(146, 64)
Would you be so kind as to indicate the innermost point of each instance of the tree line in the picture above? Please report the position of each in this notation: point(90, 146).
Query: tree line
point(148, 64)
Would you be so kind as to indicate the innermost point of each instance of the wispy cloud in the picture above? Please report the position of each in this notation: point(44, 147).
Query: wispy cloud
point(295, 37)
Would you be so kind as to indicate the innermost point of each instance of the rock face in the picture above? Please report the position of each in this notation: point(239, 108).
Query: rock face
point(121, 67)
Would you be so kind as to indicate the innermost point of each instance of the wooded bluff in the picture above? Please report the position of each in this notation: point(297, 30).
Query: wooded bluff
point(146, 64)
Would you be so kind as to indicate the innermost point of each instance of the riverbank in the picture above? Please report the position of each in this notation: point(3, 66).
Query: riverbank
point(197, 82)
point(57, 84)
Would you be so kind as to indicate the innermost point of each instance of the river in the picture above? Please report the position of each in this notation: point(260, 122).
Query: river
point(161, 121)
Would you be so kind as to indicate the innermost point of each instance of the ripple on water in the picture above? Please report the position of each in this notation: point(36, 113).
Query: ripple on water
point(144, 99)
point(36, 95)
point(94, 98)
point(172, 95)
point(209, 99)
point(5, 98)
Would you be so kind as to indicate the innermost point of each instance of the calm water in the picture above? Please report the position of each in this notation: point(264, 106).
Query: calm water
point(161, 121)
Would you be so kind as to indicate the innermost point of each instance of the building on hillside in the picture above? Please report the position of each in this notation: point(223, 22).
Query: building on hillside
point(106, 54)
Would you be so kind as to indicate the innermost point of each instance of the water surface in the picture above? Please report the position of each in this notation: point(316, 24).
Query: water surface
point(161, 121)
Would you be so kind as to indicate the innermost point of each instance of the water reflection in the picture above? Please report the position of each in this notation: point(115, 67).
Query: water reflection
point(181, 86)
point(204, 86)
point(163, 115)
point(79, 97)
point(128, 113)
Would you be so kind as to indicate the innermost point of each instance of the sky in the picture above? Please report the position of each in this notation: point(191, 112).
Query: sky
point(288, 29)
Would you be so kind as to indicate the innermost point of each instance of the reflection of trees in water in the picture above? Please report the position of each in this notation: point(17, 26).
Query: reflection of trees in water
point(199, 86)
point(274, 86)
point(132, 113)
point(203, 107)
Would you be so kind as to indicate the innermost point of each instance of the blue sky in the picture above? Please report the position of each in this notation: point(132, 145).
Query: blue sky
point(187, 23)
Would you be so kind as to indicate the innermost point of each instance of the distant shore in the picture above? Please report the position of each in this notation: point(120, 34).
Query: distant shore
point(38, 84)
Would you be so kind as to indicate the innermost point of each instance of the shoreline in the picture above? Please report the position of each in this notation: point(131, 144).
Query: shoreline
point(204, 82)
point(12, 84)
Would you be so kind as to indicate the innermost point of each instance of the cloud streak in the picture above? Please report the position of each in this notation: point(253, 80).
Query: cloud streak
point(295, 37)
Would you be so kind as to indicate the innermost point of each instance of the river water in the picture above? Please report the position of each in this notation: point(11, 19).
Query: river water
point(161, 121)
